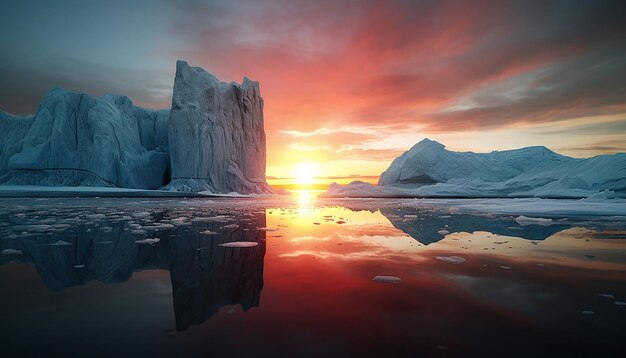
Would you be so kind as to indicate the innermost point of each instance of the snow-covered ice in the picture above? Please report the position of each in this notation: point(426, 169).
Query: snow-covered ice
point(451, 259)
point(240, 244)
point(524, 220)
point(387, 279)
point(429, 170)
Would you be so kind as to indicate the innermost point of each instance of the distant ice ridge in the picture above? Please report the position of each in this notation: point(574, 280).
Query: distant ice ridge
point(429, 170)
point(212, 140)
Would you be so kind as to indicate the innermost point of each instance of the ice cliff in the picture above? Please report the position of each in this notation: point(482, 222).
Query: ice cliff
point(429, 170)
point(216, 136)
point(212, 140)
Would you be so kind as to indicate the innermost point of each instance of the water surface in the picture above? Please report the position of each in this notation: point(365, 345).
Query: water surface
point(149, 277)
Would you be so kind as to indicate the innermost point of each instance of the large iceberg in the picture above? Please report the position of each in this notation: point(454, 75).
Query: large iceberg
point(429, 170)
point(216, 136)
point(211, 140)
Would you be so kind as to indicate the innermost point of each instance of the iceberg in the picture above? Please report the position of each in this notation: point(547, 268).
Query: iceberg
point(212, 140)
point(216, 135)
point(429, 170)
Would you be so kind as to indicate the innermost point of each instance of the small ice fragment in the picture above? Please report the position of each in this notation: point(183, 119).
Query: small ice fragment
point(340, 222)
point(230, 227)
point(606, 295)
point(240, 244)
point(410, 216)
point(266, 229)
point(79, 266)
point(588, 313)
point(443, 232)
point(11, 252)
point(451, 259)
point(148, 241)
point(505, 267)
point(387, 279)
point(61, 243)
point(282, 225)
point(620, 303)
point(208, 232)
point(524, 220)
point(316, 223)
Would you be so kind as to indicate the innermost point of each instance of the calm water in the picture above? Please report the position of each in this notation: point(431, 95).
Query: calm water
point(79, 278)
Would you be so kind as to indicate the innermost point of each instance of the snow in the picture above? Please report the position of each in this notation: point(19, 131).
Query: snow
point(240, 244)
point(216, 135)
point(387, 279)
point(429, 170)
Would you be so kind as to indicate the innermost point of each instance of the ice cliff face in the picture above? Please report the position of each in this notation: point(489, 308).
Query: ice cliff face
point(429, 170)
point(212, 139)
point(216, 134)
point(75, 139)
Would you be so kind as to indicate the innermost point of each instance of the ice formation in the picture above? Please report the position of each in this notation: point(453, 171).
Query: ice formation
point(212, 140)
point(429, 170)
point(216, 136)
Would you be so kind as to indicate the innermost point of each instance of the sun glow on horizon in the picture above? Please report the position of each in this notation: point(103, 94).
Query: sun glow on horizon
point(304, 173)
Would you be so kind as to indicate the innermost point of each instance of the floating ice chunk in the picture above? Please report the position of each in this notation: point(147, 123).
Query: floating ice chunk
point(443, 232)
point(59, 243)
point(11, 252)
point(588, 313)
point(138, 232)
point(387, 279)
point(79, 266)
point(620, 303)
point(231, 227)
point(606, 295)
point(505, 267)
point(97, 216)
point(148, 241)
point(35, 228)
point(524, 220)
point(451, 259)
point(266, 229)
point(340, 222)
point(282, 225)
point(218, 218)
point(208, 232)
point(409, 216)
point(240, 244)
point(158, 227)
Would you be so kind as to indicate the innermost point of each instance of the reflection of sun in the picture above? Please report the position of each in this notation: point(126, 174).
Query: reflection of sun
point(303, 173)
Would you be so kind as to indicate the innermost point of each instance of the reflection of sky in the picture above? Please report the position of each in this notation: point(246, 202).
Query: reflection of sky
point(317, 294)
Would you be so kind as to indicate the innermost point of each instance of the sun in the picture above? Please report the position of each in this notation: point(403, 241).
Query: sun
point(303, 173)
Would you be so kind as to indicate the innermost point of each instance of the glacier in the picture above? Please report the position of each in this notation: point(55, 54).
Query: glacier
point(212, 140)
point(223, 123)
point(428, 169)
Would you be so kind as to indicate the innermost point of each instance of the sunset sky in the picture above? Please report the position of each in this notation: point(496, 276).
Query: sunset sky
point(348, 85)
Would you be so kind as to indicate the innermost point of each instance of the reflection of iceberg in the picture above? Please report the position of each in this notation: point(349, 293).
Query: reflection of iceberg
point(204, 275)
point(426, 226)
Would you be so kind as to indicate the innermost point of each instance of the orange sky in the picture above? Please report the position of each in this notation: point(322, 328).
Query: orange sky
point(349, 85)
